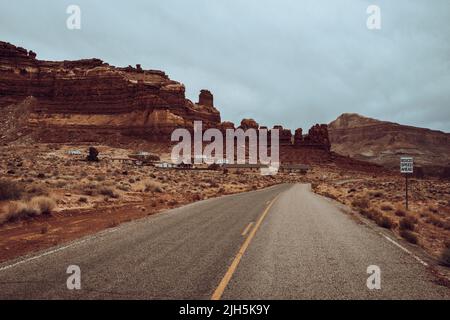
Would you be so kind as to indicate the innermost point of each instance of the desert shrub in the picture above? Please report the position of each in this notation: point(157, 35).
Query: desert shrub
point(123, 187)
point(108, 192)
point(372, 214)
point(19, 210)
point(60, 184)
point(9, 190)
point(361, 203)
point(93, 155)
point(400, 213)
point(409, 236)
point(83, 200)
point(84, 174)
point(153, 186)
point(100, 178)
point(436, 221)
point(407, 223)
point(386, 207)
point(45, 205)
point(385, 222)
point(40, 176)
point(214, 184)
point(90, 189)
point(37, 189)
point(376, 193)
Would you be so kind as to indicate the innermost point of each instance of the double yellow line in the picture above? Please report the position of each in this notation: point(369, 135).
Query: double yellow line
point(227, 277)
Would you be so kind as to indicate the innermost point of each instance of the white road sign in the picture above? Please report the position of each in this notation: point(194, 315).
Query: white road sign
point(406, 165)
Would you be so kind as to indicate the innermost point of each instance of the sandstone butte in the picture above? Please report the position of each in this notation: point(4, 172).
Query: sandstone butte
point(91, 101)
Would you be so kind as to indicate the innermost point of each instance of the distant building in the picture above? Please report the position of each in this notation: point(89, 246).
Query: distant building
point(144, 156)
point(165, 165)
point(222, 161)
point(74, 152)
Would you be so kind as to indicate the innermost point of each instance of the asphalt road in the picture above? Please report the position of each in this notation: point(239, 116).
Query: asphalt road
point(283, 242)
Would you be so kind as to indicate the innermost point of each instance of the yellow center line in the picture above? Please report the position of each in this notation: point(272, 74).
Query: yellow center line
point(247, 228)
point(227, 277)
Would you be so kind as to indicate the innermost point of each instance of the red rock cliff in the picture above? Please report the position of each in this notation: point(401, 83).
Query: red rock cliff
point(77, 95)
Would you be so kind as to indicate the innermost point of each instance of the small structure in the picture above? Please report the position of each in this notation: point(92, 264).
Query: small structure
point(74, 152)
point(165, 165)
point(128, 161)
point(245, 166)
point(184, 166)
point(145, 157)
point(295, 168)
point(222, 161)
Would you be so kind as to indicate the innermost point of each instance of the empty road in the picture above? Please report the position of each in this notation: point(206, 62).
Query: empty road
point(283, 242)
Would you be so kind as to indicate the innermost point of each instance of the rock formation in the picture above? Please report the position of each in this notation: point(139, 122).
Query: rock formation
point(206, 98)
point(384, 143)
point(249, 124)
point(73, 96)
point(91, 101)
point(285, 135)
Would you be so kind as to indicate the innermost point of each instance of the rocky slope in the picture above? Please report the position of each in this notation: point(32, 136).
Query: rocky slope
point(89, 99)
point(384, 143)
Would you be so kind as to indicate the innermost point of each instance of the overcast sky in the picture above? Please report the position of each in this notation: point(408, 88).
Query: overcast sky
point(293, 63)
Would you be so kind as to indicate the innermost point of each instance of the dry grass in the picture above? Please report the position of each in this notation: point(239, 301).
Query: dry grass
point(437, 222)
point(385, 222)
point(376, 193)
point(408, 223)
point(409, 236)
point(19, 210)
point(386, 207)
point(44, 204)
point(400, 213)
point(361, 203)
point(108, 192)
point(153, 186)
point(83, 200)
point(22, 210)
point(37, 189)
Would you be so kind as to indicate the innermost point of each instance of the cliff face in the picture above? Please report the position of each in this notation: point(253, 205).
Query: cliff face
point(384, 142)
point(91, 101)
point(91, 94)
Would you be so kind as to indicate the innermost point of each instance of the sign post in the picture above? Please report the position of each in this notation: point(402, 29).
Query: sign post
point(406, 167)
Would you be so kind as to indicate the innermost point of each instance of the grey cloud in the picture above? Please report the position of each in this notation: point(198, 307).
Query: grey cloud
point(281, 62)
